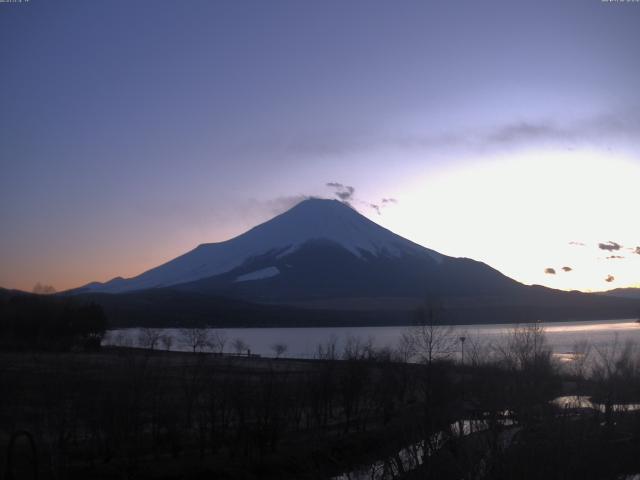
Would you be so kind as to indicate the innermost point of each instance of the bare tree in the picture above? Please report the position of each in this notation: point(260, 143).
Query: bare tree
point(476, 350)
point(149, 337)
point(531, 374)
point(279, 349)
point(327, 351)
point(196, 339)
point(239, 345)
point(526, 347)
point(406, 349)
point(431, 339)
point(578, 364)
point(217, 341)
point(580, 358)
point(615, 373)
point(167, 341)
point(356, 349)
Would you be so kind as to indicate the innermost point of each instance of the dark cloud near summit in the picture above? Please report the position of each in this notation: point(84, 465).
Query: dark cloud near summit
point(343, 192)
point(346, 194)
point(610, 246)
point(609, 279)
point(550, 271)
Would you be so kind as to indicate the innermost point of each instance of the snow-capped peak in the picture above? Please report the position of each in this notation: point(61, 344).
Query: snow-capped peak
point(312, 219)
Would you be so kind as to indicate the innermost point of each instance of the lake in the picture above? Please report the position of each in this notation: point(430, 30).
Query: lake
point(303, 342)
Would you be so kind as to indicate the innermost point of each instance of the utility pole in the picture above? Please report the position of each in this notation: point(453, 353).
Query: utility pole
point(462, 339)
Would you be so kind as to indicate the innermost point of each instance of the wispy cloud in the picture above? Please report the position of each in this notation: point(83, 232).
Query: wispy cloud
point(602, 130)
point(384, 202)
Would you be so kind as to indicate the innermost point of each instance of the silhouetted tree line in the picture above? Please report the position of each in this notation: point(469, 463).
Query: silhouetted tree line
point(50, 323)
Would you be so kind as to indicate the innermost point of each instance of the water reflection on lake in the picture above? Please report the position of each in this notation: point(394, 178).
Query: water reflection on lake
point(303, 342)
point(575, 401)
point(412, 456)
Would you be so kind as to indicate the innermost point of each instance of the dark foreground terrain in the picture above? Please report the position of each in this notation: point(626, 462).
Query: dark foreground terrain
point(132, 413)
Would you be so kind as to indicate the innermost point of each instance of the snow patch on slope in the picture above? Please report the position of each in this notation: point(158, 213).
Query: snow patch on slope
point(258, 274)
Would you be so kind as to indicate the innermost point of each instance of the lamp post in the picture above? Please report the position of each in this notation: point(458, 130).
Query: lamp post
point(462, 339)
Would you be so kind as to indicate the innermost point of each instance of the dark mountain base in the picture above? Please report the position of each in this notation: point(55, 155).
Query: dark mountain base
point(170, 308)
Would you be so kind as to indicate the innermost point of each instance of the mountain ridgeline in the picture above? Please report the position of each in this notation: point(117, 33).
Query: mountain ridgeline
point(322, 263)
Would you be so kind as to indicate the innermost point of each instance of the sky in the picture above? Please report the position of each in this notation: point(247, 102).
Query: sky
point(504, 131)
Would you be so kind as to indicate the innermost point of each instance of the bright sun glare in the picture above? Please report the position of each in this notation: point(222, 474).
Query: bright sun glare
point(530, 212)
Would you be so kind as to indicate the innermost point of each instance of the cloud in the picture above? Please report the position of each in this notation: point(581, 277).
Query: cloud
point(525, 132)
point(343, 192)
point(610, 246)
point(636, 250)
point(577, 244)
point(614, 256)
point(550, 271)
point(43, 289)
point(606, 129)
point(347, 194)
point(567, 269)
point(609, 279)
point(602, 130)
point(598, 129)
point(384, 203)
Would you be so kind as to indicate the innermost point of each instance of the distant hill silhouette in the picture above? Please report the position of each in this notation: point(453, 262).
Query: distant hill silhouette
point(624, 293)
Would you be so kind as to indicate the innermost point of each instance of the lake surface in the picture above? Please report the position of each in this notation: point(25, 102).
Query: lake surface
point(303, 342)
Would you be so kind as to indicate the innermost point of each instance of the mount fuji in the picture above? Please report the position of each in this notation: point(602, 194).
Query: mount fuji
point(316, 247)
point(324, 256)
